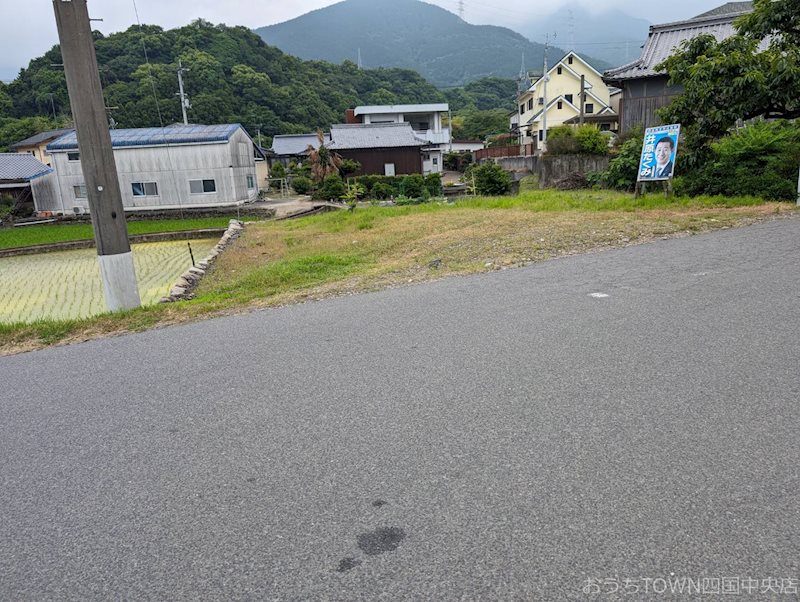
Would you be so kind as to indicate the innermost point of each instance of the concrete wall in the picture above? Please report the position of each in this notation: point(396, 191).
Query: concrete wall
point(171, 168)
point(550, 169)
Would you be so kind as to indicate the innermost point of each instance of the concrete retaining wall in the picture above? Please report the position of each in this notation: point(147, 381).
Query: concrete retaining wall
point(552, 168)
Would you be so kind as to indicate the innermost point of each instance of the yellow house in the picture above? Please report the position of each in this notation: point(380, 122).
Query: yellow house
point(563, 99)
point(37, 145)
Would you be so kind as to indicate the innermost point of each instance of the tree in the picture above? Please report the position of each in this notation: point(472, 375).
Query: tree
point(737, 78)
point(322, 160)
point(489, 178)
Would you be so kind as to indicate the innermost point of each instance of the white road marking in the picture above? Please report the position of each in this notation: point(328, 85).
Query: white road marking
point(598, 295)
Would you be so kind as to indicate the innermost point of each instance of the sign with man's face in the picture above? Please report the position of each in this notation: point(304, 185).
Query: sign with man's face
point(658, 152)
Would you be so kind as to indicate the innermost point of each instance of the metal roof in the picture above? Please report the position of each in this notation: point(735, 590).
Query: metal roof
point(388, 109)
point(377, 135)
point(664, 39)
point(172, 134)
point(296, 144)
point(41, 137)
point(21, 166)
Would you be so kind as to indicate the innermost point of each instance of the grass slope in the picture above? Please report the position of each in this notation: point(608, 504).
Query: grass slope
point(276, 263)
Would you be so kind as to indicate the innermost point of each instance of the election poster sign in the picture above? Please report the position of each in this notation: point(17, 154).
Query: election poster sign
point(658, 153)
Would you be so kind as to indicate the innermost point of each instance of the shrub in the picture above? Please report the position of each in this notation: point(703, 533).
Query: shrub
point(585, 140)
point(332, 188)
point(278, 171)
point(760, 160)
point(489, 178)
point(591, 140)
point(381, 190)
point(414, 186)
point(623, 169)
point(433, 184)
point(349, 166)
point(561, 140)
point(301, 185)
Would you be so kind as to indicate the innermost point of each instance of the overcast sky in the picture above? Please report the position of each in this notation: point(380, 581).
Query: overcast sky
point(27, 27)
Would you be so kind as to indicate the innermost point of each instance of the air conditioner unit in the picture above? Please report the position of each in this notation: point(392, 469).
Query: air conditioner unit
point(77, 210)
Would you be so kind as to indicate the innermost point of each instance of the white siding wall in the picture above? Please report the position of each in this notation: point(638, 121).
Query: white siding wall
point(46, 194)
point(171, 168)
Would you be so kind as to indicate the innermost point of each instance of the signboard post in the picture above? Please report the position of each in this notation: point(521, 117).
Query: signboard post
point(657, 163)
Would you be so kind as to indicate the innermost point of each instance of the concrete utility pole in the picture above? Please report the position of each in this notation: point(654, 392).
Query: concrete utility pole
point(97, 156)
point(184, 99)
point(583, 97)
point(546, 77)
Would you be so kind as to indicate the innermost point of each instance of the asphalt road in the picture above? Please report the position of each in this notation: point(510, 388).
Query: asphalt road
point(505, 436)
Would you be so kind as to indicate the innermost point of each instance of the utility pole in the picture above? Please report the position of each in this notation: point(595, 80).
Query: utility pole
point(184, 99)
point(583, 97)
point(359, 58)
point(546, 78)
point(97, 156)
point(53, 106)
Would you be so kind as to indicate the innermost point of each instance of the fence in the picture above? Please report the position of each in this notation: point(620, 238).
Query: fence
point(497, 152)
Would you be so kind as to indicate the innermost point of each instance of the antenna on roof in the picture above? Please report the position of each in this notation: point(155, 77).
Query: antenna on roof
point(359, 58)
point(571, 29)
point(461, 9)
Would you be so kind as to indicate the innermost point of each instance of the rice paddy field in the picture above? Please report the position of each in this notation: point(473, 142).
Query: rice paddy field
point(66, 284)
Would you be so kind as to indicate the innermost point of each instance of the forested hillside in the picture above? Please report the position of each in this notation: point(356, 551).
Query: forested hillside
point(234, 77)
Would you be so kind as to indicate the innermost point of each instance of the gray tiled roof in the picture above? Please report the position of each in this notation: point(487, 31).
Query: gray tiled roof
point(41, 138)
point(664, 39)
point(727, 9)
point(21, 166)
point(171, 134)
point(378, 135)
point(296, 144)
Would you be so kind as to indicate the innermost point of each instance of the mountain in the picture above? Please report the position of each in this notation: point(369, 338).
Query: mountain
point(446, 50)
point(611, 36)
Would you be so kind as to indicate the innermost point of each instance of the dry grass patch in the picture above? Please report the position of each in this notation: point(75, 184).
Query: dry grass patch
point(277, 263)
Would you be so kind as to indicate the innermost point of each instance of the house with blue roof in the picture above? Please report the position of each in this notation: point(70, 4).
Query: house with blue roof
point(174, 167)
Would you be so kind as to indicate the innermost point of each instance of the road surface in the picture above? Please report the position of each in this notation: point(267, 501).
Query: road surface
point(628, 417)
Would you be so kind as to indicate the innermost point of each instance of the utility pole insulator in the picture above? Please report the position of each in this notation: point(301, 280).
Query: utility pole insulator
point(96, 155)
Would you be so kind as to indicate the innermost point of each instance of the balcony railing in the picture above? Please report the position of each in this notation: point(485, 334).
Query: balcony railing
point(441, 137)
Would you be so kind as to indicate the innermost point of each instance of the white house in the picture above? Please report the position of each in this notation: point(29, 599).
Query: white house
point(174, 167)
point(426, 120)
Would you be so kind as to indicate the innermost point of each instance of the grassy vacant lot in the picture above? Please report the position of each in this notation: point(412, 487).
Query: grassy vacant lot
point(27, 236)
point(275, 263)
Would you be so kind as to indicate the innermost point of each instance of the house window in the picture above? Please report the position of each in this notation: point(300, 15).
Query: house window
point(560, 105)
point(605, 127)
point(202, 186)
point(251, 182)
point(568, 98)
point(73, 156)
point(559, 70)
point(589, 108)
point(569, 60)
point(530, 104)
point(521, 109)
point(144, 188)
point(435, 161)
point(80, 191)
point(541, 135)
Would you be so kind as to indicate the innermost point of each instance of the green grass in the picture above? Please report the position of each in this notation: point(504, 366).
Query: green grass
point(27, 236)
point(278, 262)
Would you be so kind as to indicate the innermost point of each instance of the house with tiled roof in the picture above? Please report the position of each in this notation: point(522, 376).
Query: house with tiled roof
point(381, 148)
point(36, 145)
point(27, 180)
point(174, 167)
point(645, 89)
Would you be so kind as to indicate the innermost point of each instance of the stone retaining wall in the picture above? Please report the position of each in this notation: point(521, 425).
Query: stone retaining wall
point(188, 281)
